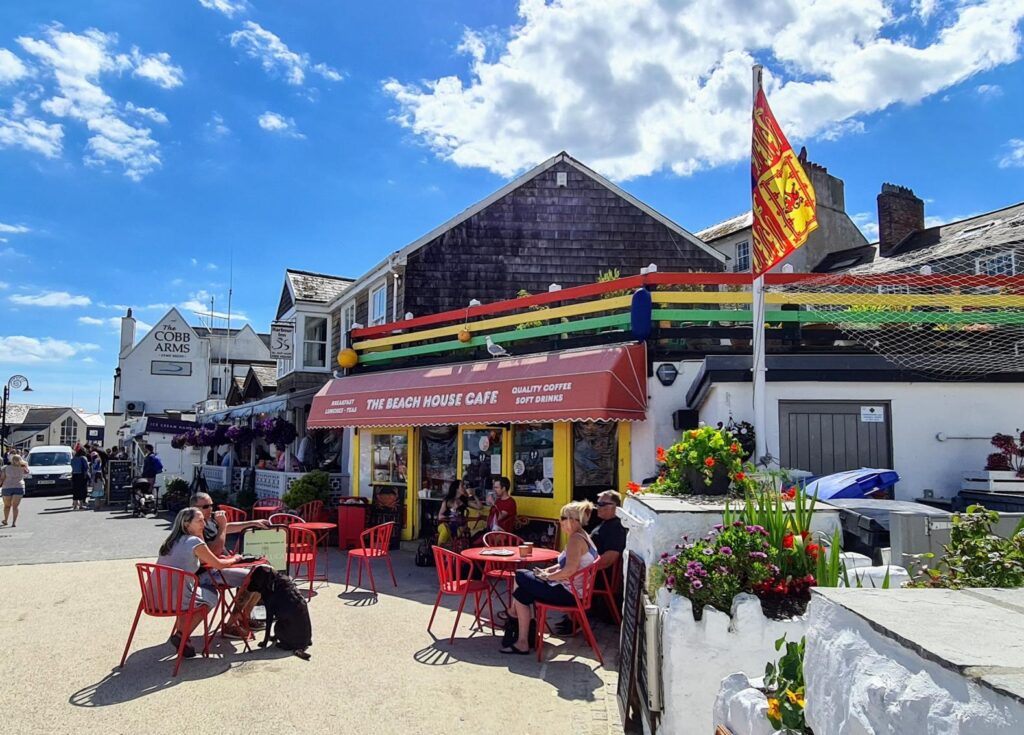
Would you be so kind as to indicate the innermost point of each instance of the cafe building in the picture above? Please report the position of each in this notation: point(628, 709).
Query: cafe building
point(557, 424)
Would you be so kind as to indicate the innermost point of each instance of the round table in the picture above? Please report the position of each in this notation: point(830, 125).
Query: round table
point(322, 531)
point(485, 555)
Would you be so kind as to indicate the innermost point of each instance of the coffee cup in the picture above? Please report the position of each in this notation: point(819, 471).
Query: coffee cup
point(524, 551)
point(529, 548)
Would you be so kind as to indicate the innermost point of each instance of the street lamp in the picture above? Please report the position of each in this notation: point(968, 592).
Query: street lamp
point(15, 382)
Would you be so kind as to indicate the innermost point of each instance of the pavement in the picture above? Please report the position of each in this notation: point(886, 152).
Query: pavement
point(374, 667)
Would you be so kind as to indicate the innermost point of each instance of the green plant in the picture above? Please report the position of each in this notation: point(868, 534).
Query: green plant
point(524, 294)
point(313, 485)
point(829, 568)
point(784, 685)
point(175, 494)
point(607, 276)
point(974, 557)
point(702, 451)
point(712, 571)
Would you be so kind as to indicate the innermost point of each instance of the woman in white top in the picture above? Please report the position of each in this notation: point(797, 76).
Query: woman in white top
point(13, 482)
point(551, 584)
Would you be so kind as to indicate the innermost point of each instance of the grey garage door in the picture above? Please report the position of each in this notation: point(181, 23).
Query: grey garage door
point(823, 437)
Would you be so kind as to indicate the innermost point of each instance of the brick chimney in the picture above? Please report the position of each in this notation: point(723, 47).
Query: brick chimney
point(900, 212)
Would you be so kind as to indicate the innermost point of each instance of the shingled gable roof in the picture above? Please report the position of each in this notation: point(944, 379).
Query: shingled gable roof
point(728, 227)
point(458, 219)
point(315, 288)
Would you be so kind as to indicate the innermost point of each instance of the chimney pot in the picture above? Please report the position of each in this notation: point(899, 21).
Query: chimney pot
point(900, 212)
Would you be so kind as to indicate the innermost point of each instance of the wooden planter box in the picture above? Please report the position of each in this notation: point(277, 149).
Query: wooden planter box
point(999, 481)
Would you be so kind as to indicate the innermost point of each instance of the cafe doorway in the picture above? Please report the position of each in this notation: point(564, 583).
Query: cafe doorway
point(595, 458)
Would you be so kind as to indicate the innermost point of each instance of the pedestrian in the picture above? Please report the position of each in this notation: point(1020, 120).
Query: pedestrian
point(151, 467)
point(79, 479)
point(12, 478)
point(96, 473)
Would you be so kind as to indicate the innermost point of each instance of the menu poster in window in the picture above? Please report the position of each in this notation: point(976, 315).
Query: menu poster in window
point(534, 452)
point(438, 450)
point(389, 457)
point(481, 459)
point(594, 454)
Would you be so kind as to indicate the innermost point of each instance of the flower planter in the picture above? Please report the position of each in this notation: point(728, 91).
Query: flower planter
point(698, 654)
point(1006, 481)
point(742, 707)
point(719, 482)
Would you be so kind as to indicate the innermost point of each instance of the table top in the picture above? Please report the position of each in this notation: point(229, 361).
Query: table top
point(539, 555)
point(311, 526)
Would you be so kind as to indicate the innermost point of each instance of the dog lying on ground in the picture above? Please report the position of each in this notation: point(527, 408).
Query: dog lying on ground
point(287, 613)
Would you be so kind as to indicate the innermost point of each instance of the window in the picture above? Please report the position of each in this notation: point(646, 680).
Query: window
point(215, 386)
point(314, 342)
point(999, 264)
point(69, 431)
point(742, 256)
point(893, 289)
point(379, 305)
point(348, 319)
point(533, 455)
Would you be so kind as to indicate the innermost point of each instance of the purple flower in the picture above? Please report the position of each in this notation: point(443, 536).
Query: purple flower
point(737, 524)
point(725, 551)
point(664, 555)
point(758, 555)
point(707, 551)
point(696, 584)
point(670, 581)
point(718, 526)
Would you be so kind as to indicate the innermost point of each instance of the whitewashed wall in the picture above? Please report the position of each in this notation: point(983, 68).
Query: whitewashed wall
point(657, 430)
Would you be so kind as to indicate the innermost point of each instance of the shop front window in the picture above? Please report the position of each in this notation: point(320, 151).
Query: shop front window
point(390, 457)
point(314, 343)
point(481, 459)
point(439, 447)
point(595, 458)
point(533, 460)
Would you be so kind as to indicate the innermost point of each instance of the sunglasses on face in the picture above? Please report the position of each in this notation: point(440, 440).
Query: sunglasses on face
point(204, 507)
point(605, 504)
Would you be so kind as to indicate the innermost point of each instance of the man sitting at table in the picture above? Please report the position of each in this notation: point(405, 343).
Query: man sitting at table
point(215, 531)
point(609, 538)
point(503, 513)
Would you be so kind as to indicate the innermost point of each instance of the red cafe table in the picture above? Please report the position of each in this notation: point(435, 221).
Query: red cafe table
point(322, 531)
point(507, 556)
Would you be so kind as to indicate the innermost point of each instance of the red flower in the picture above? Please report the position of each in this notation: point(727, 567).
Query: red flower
point(787, 541)
point(709, 462)
point(780, 589)
point(734, 448)
point(661, 454)
point(633, 488)
point(694, 434)
point(789, 494)
point(740, 476)
point(812, 550)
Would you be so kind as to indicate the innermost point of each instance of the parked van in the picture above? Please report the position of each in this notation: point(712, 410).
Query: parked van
point(51, 471)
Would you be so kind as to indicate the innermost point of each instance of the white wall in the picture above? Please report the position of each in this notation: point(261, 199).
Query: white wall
point(171, 340)
point(657, 430)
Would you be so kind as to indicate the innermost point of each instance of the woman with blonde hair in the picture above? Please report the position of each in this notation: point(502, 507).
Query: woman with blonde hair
point(12, 479)
point(551, 584)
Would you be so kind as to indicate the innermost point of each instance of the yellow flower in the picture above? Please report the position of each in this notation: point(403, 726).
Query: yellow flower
point(773, 708)
point(796, 697)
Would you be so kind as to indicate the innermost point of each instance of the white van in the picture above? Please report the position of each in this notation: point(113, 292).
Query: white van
point(50, 469)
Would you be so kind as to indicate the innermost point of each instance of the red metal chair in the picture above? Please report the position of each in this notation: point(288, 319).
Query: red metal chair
point(577, 612)
point(266, 507)
point(499, 572)
point(453, 579)
point(302, 548)
point(373, 544)
point(234, 515)
point(165, 595)
point(311, 511)
point(285, 519)
point(611, 578)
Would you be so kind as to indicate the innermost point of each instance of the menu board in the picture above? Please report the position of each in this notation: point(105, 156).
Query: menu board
point(119, 481)
point(269, 543)
point(630, 635)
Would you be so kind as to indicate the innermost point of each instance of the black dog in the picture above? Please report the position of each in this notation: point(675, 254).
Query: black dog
point(286, 607)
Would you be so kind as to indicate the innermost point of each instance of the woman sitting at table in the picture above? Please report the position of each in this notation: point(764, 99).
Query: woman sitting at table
point(551, 584)
point(452, 514)
point(185, 549)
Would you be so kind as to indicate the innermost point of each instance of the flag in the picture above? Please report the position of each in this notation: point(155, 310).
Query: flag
point(782, 197)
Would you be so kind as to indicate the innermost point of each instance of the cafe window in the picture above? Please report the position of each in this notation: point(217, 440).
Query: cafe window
point(379, 305)
point(533, 460)
point(595, 458)
point(390, 456)
point(314, 342)
point(481, 459)
point(439, 447)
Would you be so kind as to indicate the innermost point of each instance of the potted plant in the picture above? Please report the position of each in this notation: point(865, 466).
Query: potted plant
point(175, 494)
point(313, 485)
point(705, 461)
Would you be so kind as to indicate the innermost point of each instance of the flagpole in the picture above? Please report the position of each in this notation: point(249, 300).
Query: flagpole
point(759, 368)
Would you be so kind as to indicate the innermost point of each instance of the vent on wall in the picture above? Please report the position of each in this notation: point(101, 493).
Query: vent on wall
point(135, 406)
point(561, 178)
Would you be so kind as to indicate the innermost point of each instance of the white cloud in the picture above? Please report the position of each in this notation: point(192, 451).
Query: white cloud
point(867, 223)
point(199, 304)
point(75, 63)
point(275, 123)
point(638, 86)
point(150, 112)
point(194, 261)
point(924, 8)
point(50, 298)
point(113, 323)
point(989, 90)
point(11, 67)
point(13, 229)
point(211, 266)
point(93, 321)
point(1014, 157)
point(216, 128)
point(19, 349)
point(227, 7)
point(4, 285)
point(276, 58)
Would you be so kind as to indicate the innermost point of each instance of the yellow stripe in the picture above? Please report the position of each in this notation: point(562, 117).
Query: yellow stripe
point(936, 300)
point(702, 297)
point(488, 325)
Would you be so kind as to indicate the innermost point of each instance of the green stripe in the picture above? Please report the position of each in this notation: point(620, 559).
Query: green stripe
point(897, 317)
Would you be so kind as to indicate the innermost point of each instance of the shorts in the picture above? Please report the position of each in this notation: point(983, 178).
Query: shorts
point(529, 589)
point(233, 577)
point(10, 492)
point(207, 596)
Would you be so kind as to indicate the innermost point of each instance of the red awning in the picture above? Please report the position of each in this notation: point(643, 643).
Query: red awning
point(598, 384)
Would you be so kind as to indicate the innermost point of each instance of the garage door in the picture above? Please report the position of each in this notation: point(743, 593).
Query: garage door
point(823, 437)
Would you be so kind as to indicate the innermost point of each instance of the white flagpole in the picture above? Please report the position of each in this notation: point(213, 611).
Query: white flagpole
point(760, 370)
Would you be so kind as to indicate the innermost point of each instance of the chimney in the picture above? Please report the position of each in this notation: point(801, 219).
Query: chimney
point(900, 212)
point(127, 333)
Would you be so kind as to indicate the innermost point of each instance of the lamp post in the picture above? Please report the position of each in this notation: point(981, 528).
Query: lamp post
point(15, 382)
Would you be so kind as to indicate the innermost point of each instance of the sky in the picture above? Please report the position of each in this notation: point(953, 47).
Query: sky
point(156, 153)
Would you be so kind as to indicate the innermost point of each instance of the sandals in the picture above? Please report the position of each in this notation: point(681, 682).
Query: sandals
point(175, 640)
point(512, 650)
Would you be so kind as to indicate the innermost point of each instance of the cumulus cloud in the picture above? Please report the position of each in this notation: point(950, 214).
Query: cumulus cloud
point(1014, 157)
point(93, 321)
point(11, 67)
point(230, 8)
point(50, 298)
point(638, 86)
point(74, 63)
point(199, 304)
point(216, 127)
point(274, 123)
point(276, 58)
point(867, 223)
point(113, 323)
point(989, 90)
point(19, 349)
point(13, 229)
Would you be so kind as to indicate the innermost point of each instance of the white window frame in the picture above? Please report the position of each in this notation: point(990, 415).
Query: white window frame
point(981, 263)
point(301, 344)
point(739, 260)
point(64, 438)
point(348, 318)
point(374, 318)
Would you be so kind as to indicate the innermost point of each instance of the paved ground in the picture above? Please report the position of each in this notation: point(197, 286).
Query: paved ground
point(375, 669)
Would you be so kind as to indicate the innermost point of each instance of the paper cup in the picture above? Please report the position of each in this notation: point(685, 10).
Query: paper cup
point(529, 548)
point(524, 551)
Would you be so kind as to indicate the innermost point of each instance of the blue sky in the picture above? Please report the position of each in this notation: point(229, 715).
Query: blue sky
point(147, 148)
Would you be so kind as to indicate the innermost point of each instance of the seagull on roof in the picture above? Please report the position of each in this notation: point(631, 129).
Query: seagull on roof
point(495, 350)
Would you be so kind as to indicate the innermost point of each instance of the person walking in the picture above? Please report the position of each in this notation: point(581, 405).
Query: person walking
point(12, 478)
point(79, 479)
point(151, 467)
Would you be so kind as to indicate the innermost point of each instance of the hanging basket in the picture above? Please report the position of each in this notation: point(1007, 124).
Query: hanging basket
point(719, 481)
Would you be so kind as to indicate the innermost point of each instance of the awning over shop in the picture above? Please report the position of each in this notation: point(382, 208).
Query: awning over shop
point(270, 404)
point(597, 384)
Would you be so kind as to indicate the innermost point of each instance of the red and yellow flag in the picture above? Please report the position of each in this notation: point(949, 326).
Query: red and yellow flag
point(782, 196)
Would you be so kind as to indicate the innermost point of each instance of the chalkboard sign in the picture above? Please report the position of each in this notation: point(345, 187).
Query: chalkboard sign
point(631, 635)
point(119, 481)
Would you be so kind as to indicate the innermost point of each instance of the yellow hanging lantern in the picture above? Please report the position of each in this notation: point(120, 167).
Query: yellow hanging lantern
point(465, 335)
point(348, 358)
